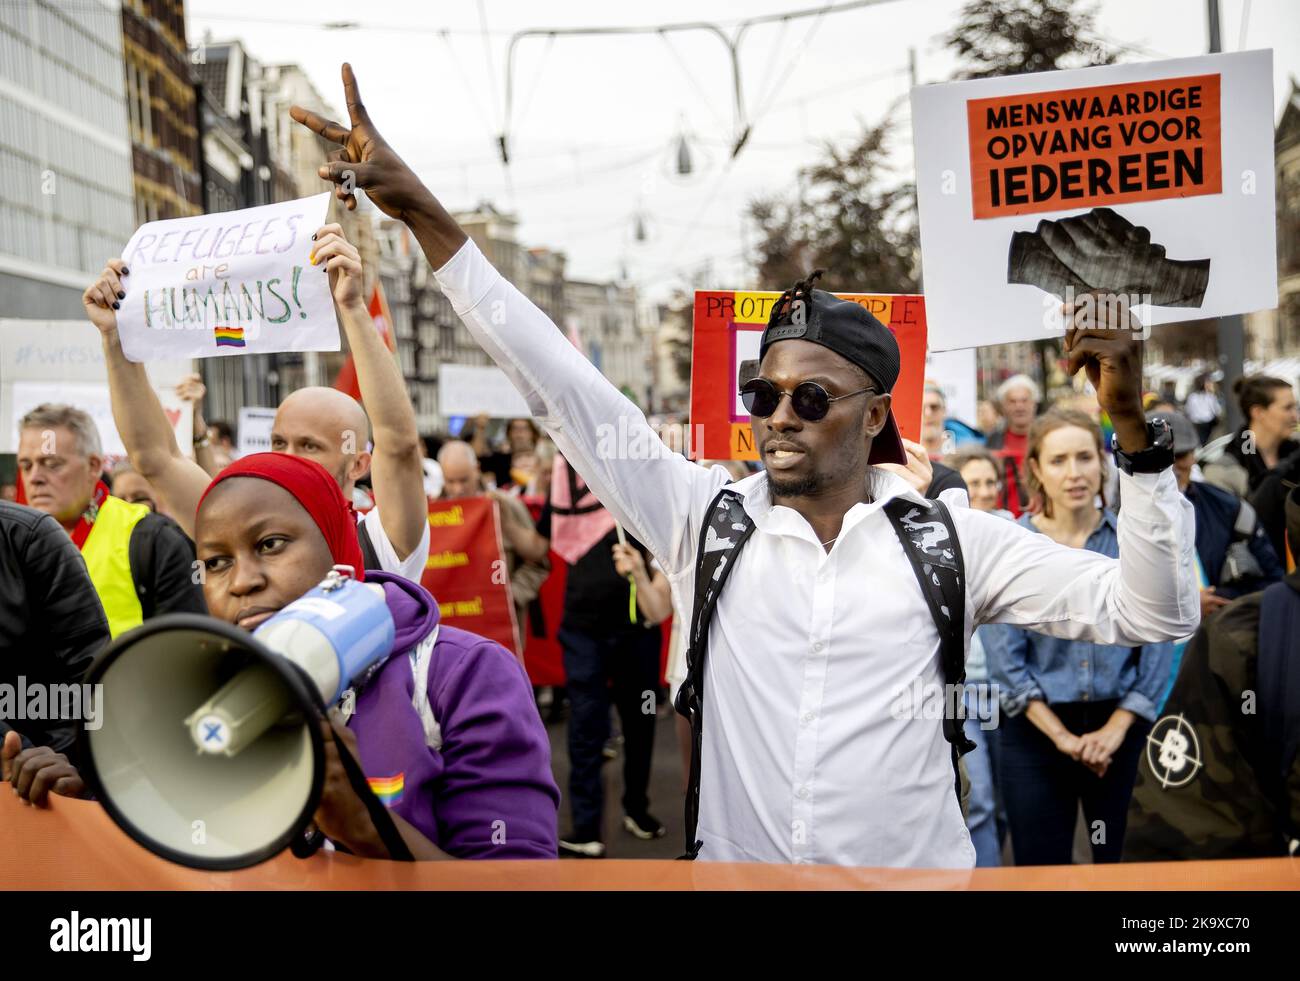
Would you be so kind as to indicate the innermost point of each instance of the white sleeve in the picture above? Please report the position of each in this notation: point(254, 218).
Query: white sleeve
point(659, 495)
point(1147, 595)
point(411, 567)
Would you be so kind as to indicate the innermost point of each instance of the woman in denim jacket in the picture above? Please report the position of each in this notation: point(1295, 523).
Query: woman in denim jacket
point(1075, 714)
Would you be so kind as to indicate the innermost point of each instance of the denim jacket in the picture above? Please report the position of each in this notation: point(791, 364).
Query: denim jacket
point(1026, 665)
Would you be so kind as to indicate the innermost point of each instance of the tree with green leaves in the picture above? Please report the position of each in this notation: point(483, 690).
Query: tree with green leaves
point(846, 218)
point(1012, 37)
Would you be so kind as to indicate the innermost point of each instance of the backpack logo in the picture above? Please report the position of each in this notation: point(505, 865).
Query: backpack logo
point(1173, 752)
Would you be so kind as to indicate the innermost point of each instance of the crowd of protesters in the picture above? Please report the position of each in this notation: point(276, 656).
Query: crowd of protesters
point(1091, 536)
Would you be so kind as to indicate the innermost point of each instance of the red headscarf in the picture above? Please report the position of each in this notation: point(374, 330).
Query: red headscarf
point(313, 488)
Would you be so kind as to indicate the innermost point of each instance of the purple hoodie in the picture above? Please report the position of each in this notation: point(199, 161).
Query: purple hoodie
point(487, 791)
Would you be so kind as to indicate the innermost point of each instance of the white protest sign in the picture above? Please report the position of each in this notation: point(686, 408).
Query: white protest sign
point(62, 361)
point(1151, 184)
point(237, 282)
point(468, 390)
point(955, 373)
point(255, 429)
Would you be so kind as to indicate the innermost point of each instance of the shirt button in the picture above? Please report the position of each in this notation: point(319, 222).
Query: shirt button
point(818, 646)
point(808, 717)
point(803, 793)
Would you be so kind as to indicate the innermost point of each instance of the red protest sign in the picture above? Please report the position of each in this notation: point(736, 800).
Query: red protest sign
point(728, 327)
point(466, 569)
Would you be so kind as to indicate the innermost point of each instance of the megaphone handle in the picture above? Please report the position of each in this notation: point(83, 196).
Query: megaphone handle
point(379, 816)
point(305, 846)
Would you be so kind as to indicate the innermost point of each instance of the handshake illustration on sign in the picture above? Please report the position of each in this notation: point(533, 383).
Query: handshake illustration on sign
point(1102, 252)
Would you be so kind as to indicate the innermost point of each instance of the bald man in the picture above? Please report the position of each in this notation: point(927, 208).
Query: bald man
point(324, 424)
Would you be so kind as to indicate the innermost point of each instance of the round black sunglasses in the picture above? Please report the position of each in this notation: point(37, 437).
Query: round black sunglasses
point(810, 401)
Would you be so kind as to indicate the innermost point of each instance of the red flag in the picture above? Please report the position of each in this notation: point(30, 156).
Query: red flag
point(383, 320)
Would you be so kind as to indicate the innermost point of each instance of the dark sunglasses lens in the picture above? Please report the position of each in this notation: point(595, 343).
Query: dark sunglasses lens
point(760, 398)
point(811, 401)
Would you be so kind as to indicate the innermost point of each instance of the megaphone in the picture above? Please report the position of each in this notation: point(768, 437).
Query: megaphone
point(210, 751)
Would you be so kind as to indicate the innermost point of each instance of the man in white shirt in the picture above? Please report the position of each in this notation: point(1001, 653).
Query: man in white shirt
point(321, 423)
point(806, 757)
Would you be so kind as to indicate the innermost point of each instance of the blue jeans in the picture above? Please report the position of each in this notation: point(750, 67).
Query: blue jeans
point(1043, 787)
point(981, 766)
point(622, 667)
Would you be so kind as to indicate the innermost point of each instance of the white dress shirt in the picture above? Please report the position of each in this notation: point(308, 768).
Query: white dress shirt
point(811, 753)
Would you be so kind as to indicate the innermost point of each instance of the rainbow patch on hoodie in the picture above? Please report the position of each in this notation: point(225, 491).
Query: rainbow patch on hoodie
point(388, 789)
point(229, 336)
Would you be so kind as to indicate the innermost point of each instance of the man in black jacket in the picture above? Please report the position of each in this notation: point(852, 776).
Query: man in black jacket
point(51, 627)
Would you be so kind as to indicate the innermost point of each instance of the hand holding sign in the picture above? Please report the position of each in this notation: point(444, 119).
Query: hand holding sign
point(1105, 340)
point(104, 296)
point(342, 261)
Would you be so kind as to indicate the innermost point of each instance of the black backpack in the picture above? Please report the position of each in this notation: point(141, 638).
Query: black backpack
point(935, 554)
point(1278, 675)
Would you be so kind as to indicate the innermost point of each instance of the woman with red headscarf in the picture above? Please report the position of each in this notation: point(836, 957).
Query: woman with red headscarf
point(447, 735)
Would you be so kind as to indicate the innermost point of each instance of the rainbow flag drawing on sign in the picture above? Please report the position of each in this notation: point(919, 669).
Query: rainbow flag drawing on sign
point(388, 789)
point(229, 336)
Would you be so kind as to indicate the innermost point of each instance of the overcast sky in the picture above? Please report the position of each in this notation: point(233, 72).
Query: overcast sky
point(596, 120)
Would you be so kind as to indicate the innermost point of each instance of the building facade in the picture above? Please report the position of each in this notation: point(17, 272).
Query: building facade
point(1272, 334)
point(162, 109)
point(65, 152)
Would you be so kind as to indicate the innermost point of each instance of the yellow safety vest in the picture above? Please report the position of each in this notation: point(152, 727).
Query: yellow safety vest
point(107, 552)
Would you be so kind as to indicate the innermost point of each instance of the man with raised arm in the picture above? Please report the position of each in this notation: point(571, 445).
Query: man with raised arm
point(321, 423)
point(823, 621)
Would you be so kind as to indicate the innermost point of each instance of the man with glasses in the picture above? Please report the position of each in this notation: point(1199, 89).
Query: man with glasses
point(805, 757)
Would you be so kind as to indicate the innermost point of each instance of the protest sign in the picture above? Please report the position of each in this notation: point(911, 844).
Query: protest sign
point(236, 282)
point(466, 570)
point(63, 361)
point(470, 390)
point(955, 373)
point(255, 429)
point(728, 327)
point(1133, 182)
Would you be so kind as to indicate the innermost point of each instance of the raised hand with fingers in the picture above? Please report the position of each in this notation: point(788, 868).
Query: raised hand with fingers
point(364, 159)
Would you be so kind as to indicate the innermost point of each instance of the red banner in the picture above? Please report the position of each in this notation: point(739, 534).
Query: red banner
point(466, 570)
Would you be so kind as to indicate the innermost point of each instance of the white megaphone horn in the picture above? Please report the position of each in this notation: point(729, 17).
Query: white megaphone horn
point(210, 751)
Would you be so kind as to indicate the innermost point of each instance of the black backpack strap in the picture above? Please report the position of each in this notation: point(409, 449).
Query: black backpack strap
point(725, 530)
point(368, 552)
point(930, 541)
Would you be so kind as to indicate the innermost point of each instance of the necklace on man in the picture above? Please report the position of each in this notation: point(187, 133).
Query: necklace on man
point(832, 541)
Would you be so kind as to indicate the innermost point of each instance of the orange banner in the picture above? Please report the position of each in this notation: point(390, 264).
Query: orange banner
point(1105, 145)
point(73, 845)
point(727, 329)
point(466, 570)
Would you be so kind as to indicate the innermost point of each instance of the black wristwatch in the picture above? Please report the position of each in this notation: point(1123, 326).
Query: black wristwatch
point(1156, 457)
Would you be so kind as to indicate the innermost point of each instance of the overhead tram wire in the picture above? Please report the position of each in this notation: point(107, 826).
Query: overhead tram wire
point(742, 127)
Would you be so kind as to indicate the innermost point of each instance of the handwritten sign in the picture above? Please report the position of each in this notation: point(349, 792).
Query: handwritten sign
point(1149, 185)
point(236, 282)
point(62, 361)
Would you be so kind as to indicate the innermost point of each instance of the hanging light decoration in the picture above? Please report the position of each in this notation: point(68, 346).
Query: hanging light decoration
point(684, 168)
